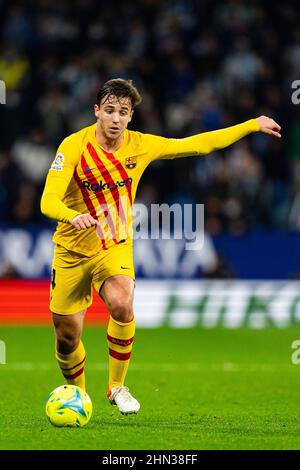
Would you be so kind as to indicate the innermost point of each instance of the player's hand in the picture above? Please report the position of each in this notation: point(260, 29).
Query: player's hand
point(83, 221)
point(269, 126)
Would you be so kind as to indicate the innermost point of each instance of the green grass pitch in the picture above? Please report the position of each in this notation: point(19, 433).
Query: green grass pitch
point(198, 389)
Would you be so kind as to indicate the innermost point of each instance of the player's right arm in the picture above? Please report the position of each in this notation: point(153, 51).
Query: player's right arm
point(57, 182)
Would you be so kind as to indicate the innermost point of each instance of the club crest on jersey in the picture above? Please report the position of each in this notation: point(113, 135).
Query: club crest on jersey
point(130, 163)
point(58, 162)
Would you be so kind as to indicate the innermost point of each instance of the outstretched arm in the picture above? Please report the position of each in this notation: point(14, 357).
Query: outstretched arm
point(202, 144)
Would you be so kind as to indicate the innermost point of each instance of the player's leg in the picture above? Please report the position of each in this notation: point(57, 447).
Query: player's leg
point(70, 352)
point(70, 296)
point(117, 293)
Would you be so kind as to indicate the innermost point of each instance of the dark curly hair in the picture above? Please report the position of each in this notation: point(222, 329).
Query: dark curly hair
point(120, 88)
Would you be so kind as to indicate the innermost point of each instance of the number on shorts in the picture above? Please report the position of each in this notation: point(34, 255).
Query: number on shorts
point(53, 273)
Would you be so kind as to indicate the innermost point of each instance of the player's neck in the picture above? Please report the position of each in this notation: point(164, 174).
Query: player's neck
point(110, 145)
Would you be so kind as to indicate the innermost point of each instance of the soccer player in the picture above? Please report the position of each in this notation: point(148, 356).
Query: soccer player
point(89, 190)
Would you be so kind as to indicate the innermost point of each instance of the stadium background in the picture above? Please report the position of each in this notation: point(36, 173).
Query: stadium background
point(200, 66)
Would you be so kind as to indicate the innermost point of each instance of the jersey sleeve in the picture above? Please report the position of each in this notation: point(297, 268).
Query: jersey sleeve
point(57, 182)
point(200, 144)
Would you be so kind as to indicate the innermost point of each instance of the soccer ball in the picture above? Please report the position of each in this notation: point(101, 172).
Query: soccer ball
point(70, 406)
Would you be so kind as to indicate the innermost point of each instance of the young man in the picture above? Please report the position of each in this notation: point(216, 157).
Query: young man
point(90, 189)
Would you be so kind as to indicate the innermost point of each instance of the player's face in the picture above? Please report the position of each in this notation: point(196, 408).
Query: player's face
point(113, 116)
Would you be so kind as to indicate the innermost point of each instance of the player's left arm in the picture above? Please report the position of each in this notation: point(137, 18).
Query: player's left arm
point(207, 142)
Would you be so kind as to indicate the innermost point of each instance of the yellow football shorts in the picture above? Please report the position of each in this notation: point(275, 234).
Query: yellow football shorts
point(73, 275)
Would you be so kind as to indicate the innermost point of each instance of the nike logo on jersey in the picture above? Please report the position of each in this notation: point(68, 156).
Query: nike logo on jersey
point(123, 267)
point(88, 170)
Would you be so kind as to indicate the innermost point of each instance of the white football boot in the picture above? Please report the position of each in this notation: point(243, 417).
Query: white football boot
point(125, 402)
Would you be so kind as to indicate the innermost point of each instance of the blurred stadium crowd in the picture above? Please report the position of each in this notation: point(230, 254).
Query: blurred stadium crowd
point(200, 66)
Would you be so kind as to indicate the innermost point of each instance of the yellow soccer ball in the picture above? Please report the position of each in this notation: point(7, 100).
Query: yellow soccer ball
point(69, 406)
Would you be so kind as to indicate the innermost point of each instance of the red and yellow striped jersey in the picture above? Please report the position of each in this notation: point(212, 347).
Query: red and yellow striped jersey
point(84, 177)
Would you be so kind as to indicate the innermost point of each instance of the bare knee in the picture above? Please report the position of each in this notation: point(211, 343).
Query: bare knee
point(66, 342)
point(117, 293)
point(121, 309)
point(68, 333)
